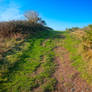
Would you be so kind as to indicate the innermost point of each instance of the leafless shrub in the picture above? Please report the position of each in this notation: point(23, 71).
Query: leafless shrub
point(33, 17)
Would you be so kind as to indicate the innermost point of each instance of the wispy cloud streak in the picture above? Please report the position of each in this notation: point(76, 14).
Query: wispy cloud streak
point(11, 12)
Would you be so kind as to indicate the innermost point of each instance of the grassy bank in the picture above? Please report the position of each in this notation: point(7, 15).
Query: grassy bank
point(30, 64)
point(72, 44)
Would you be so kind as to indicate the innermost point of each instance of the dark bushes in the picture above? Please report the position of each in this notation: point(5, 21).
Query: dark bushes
point(11, 28)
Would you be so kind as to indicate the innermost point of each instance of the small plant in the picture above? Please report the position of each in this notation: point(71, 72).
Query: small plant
point(50, 85)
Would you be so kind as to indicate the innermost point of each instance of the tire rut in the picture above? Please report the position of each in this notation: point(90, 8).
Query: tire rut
point(68, 78)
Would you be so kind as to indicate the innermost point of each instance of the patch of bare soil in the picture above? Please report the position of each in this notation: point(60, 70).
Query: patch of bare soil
point(68, 78)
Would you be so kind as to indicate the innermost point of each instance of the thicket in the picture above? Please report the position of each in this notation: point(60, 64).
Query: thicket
point(12, 28)
point(32, 24)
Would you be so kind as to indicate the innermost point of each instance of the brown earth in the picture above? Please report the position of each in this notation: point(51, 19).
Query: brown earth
point(68, 78)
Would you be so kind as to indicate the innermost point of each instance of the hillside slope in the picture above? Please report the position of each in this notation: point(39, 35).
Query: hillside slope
point(45, 62)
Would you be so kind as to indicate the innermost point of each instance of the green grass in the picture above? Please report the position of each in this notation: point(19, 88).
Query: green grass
point(22, 62)
point(49, 86)
point(29, 63)
point(71, 43)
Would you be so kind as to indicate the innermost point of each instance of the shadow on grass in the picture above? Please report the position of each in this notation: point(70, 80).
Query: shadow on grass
point(47, 33)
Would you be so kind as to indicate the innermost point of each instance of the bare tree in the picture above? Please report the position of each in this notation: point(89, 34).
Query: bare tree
point(33, 17)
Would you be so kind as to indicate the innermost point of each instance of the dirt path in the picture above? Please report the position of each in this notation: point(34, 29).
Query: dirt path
point(68, 78)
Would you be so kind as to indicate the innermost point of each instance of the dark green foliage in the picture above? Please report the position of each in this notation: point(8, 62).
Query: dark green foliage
point(50, 85)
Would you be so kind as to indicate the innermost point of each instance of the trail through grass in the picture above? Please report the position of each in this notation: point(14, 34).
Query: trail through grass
point(71, 43)
point(20, 71)
point(30, 64)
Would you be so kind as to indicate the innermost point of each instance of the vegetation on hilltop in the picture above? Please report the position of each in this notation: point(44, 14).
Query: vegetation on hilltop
point(31, 54)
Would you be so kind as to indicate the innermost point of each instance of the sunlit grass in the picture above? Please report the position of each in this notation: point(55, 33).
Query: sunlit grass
point(22, 64)
point(72, 44)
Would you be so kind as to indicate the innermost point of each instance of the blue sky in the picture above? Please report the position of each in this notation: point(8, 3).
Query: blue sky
point(58, 14)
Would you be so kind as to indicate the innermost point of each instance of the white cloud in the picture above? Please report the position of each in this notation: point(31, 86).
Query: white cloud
point(12, 12)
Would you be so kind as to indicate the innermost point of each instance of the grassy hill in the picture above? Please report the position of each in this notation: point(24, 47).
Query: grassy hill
point(28, 60)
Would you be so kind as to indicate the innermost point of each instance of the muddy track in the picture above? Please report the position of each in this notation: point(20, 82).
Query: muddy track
point(68, 78)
